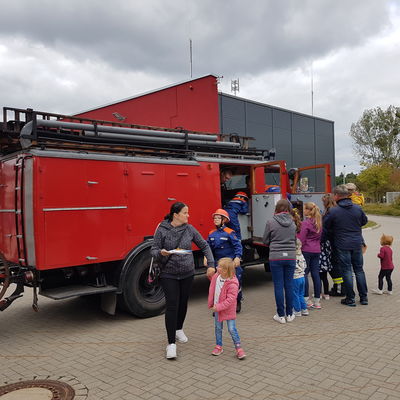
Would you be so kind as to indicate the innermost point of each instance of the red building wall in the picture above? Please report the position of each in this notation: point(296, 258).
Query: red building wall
point(192, 105)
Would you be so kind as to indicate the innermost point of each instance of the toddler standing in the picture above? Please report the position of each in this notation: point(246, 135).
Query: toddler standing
point(222, 300)
point(299, 303)
point(386, 256)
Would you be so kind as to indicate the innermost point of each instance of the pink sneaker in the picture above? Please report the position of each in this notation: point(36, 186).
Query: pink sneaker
point(240, 354)
point(217, 350)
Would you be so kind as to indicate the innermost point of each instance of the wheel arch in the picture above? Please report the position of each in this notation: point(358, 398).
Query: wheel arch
point(135, 252)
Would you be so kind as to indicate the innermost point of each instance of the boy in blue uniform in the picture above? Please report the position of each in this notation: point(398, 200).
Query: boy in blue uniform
point(224, 243)
point(238, 205)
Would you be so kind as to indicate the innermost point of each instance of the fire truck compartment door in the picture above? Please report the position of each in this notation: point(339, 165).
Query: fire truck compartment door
point(244, 222)
point(263, 207)
point(8, 241)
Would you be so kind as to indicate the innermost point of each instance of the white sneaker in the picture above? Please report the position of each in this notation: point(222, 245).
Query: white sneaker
point(171, 350)
point(377, 291)
point(297, 313)
point(389, 292)
point(309, 302)
point(305, 312)
point(290, 318)
point(279, 319)
point(181, 337)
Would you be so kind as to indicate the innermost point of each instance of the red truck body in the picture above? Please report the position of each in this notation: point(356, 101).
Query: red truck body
point(83, 211)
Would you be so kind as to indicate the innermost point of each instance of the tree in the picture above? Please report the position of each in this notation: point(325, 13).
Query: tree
point(350, 177)
point(376, 136)
point(375, 181)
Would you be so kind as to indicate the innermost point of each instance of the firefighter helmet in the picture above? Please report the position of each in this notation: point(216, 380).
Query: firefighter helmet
point(222, 213)
point(241, 194)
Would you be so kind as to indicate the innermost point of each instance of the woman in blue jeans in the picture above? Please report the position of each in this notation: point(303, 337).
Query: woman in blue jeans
point(280, 236)
point(310, 237)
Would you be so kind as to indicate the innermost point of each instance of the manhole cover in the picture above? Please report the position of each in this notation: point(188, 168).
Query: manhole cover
point(31, 394)
point(42, 389)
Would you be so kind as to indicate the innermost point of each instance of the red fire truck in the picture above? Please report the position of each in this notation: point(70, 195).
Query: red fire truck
point(80, 200)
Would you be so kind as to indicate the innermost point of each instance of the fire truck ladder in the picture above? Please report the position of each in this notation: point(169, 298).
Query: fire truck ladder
point(19, 210)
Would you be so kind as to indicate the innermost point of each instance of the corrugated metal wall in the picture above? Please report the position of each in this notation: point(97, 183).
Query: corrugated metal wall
point(301, 140)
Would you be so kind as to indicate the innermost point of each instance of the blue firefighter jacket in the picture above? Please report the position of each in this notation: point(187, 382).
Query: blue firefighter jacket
point(224, 243)
point(235, 207)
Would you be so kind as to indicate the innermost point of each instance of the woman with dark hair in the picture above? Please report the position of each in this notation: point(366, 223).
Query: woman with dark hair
point(280, 236)
point(173, 248)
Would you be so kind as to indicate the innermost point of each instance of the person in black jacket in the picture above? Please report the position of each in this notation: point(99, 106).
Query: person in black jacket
point(344, 223)
point(173, 248)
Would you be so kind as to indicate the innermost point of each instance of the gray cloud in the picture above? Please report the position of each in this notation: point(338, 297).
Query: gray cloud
point(69, 55)
point(228, 37)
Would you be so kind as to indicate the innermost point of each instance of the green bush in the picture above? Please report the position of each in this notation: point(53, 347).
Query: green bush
point(383, 209)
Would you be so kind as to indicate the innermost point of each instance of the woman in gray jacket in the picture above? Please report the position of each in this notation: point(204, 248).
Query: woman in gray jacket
point(280, 236)
point(173, 248)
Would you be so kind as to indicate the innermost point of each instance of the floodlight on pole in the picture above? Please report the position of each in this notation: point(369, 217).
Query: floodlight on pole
point(235, 86)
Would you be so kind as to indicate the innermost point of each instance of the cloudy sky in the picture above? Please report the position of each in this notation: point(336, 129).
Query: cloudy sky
point(67, 55)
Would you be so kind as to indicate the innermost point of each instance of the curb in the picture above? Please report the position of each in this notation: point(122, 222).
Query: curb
point(372, 227)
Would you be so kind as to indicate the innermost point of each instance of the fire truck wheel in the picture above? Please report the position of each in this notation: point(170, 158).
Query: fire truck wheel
point(139, 297)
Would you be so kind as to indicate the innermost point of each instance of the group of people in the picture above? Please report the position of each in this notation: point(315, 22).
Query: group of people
point(321, 243)
point(331, 242)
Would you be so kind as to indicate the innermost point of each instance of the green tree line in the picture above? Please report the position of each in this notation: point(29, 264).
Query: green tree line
point(376, 142)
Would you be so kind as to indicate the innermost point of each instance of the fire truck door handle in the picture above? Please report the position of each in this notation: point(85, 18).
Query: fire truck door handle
point(92, 183)
point(91, 258)
point(171, 199)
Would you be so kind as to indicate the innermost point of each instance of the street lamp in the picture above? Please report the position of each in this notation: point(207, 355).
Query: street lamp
point(344, 174)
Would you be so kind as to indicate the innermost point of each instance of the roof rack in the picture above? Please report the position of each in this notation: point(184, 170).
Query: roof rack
point(24, 129)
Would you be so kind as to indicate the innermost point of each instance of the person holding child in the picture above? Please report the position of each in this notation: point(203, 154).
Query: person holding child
point(280, 236)
point(222, 296)
point(386, 257)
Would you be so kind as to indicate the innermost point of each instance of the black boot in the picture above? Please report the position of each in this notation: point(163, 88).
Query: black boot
point(334, 290)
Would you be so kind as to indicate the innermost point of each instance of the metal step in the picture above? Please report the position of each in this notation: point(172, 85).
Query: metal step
point(66, 292)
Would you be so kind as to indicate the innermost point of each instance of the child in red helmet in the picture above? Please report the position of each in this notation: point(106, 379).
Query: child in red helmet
point(238, 205)
point(225, 243)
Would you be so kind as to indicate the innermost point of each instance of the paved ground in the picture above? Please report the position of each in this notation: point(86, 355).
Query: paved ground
point(336, 353)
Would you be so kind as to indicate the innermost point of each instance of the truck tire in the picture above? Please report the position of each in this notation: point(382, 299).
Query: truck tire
point(139, 297)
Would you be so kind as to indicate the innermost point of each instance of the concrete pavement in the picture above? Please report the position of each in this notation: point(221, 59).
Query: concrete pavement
point(337, 352)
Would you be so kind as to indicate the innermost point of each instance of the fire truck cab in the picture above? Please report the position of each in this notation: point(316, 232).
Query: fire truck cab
point(80, 201)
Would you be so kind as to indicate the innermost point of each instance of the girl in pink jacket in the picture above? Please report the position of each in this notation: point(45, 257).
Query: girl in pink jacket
point(222, 296)
point(386, 256)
